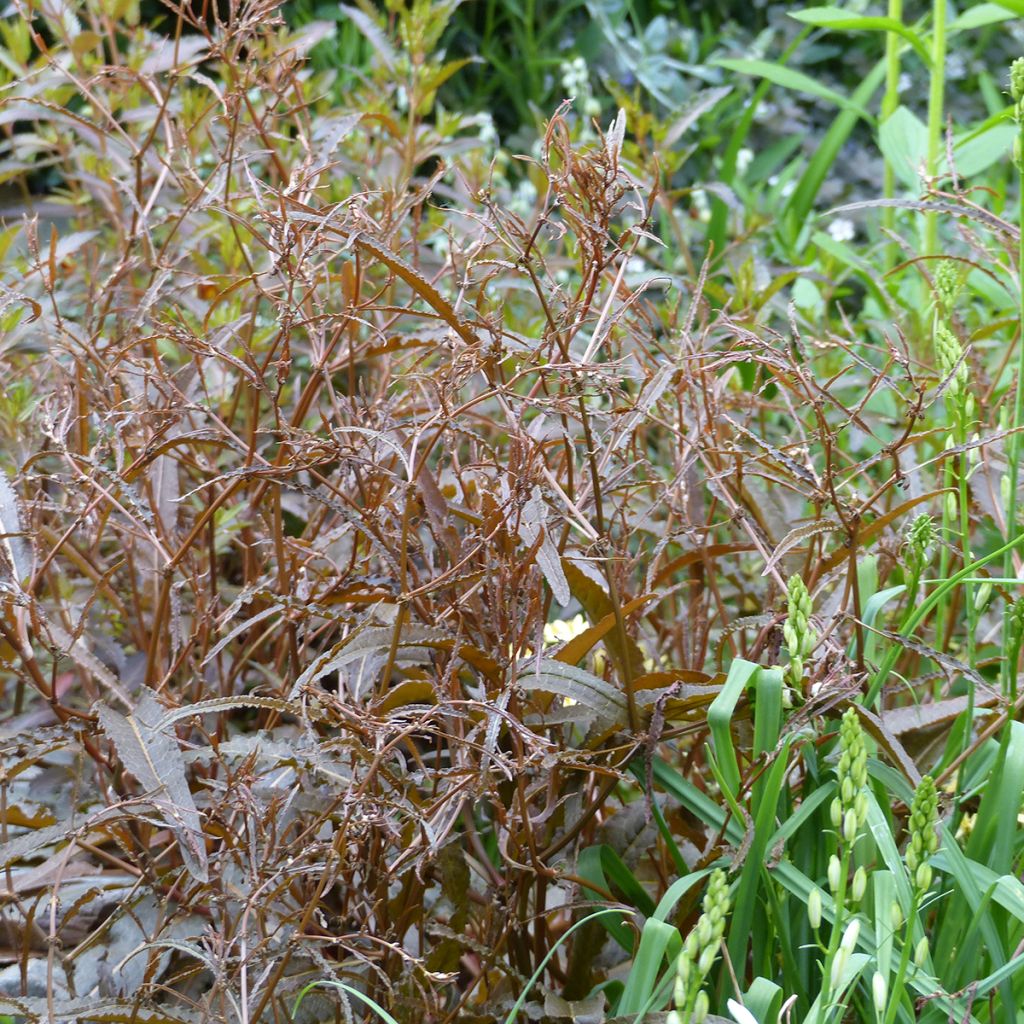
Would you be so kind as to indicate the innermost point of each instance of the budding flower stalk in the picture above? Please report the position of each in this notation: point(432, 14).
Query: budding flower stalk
point(798, 632)
point(924, 835)
point(700, 950)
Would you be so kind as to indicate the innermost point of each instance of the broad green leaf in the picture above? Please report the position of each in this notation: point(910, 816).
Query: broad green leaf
point(978, 17)
point(903, 140)
point(659, 942)
point(720, 720)
point(836, 19)
point(790, 79)
point(801, 202)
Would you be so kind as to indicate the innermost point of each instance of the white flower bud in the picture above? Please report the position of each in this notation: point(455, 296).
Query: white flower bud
point(879, 992)
point(838, 966)
point(814, 908)
point(850, 826)
point(850, 936)
point(701, 1007)
point(834, 870)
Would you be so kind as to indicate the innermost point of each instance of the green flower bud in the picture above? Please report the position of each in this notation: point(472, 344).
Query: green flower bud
point(850, 827)
point(921, 951)
point(1017, 80)
point(896, 916)
point(836, 812)
point(707, 958)
point(860, 884)
point(923, 878)
point(679, 989)
point(949, 503)
point(860, 805)
point(920, 538)
point(700, 1008)
point(814, 908)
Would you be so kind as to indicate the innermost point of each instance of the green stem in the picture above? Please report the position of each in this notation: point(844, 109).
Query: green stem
point(899, 982)
point(936, 95)
point(972, 612)
point(837, 934)
point(890, 101)
point(1013, 441)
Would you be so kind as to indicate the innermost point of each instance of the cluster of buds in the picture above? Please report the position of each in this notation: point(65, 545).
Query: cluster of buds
point(799, 635)
point(849, 809)
point(947, 284)
point(920, 538)
point(924, 835)
point(1017, 95)
point(1015, 623)
point(949, 355)
point(700, 950)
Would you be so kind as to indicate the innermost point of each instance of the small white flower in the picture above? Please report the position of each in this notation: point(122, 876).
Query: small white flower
point(744, 158)
point(700, 203)
point(904, 82)
point(740, 1013)
point(788, 189)
point(842, 230)
point(488, 134)
point(524, 198)
point(956, 66)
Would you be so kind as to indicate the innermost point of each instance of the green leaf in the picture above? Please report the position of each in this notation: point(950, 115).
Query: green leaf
point(903, 140)
point(658, 942)
point(790, 79)
point(976, 153)
point(836, 19)
point(978, 17)
point(720, 720)
point(801, 202)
